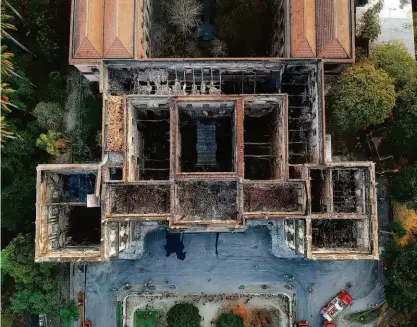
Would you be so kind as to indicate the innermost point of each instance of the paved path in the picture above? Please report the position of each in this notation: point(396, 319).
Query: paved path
point(242, 259)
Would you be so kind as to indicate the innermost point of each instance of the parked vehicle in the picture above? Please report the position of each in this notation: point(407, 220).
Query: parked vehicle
point(303, 323)
point(42, 320)
point(335, 306)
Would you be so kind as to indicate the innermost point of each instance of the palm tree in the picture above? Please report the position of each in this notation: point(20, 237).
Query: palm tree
point(5, 131)
point(6, 26)
point(7, 69)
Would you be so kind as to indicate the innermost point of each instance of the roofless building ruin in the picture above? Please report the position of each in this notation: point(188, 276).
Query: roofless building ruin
point(209, 144)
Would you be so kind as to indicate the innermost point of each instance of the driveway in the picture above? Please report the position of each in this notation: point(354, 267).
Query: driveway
point(241, 259)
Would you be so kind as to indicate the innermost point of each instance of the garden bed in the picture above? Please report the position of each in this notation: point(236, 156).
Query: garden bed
point(264, 310)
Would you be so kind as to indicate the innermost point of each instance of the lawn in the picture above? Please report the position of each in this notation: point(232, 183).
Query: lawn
point(146, 318)
point(119, 312)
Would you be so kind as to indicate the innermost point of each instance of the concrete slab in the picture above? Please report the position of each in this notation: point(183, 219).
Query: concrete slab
point(396, 18)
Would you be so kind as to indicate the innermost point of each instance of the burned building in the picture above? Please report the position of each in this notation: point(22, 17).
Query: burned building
point(203, 144)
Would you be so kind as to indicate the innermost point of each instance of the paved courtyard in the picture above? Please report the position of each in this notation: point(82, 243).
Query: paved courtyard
point(241, 259)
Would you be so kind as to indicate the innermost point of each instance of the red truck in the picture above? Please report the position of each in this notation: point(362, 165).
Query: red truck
point(335, 306)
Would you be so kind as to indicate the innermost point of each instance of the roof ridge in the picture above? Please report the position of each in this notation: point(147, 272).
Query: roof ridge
point(118, 47)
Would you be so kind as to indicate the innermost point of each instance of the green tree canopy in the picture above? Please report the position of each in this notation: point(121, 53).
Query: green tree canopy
point(368, 26)
point(400, 270)
point(404, 186)
point(229, 319)
point(19, 160)
point(37, 298)
point(363, 95)
point(19, 257)
point(37, 291)
point(402, 132)
point(50, 115)
point(183, 315)
point(69, 313)
point(395, 59)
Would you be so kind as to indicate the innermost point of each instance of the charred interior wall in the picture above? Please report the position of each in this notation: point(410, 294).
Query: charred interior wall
point(207, 136)
point(342, 206)
point(66, 225)
point(305, 119)
point(149, 140)
point(280, 41)
point(265, 148)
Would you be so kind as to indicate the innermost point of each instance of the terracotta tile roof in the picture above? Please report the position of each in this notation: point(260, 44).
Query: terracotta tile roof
point(333, 28)
point(107, 29)
point(88, 33)
point(119, 23)
point(321, 28)
point(303, 25)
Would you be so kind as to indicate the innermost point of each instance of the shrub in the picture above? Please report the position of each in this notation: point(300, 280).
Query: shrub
point(363, 95)
point(50, 115)
point(183, 315)
point(229, 319)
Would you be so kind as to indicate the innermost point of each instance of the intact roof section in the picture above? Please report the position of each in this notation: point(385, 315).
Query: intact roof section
point(106, 29)
point(88, 28)
point(303, 27)
point(321, 28)
point(333, 29)
point(119, 24)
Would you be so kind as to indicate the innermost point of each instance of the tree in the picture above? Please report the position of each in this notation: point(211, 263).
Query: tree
point(369, 26)
point(37, 298)
point(395, 59)
point(402, 132)
point(19, 256)
point(362, 96)
point(50, 115)
point(183, 315)
point(184, 15)
point(18, 169)
point(7, 70)
point(54, 143)
point(397, 228)
point(69, 313)
point(229, 319)
point(404, 186)
point(5, 91)
point(37, 291)
point(400, 270)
